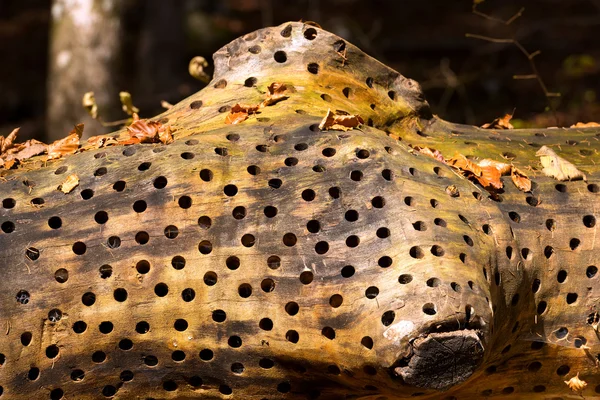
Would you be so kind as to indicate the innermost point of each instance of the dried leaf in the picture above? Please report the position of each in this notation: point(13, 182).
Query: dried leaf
point(127, 103)
point(144, 131)
point(490, 177)
point(331, 121)
point(28, 149)
point(239, 113)
point(89, 103)
point(130, 141)
point(433, 153)
point(236, 118)
point(8, 142)
point(69, 184)
point(197, 68)
point(557, 167)
point(586, 125)
point(165, 136)
point(504, 168)
point(9, 164)
point(576, 384)
point(462, 163)
point(276, 94)
point(64, 146)
point(78, 130)
point(276, 98)
point(245, 108)
point(521, 181)
point(312, 23)
point(500, 123)
point(452, 191)
point(276, 88)
point(99, 141)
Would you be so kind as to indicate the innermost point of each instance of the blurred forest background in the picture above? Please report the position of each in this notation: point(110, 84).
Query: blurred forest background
point(144, 46)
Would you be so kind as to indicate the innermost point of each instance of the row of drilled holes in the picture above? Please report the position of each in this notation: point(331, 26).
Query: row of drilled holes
point(589, 221)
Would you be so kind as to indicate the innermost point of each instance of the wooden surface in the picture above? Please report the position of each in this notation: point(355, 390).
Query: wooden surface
point(281, 261)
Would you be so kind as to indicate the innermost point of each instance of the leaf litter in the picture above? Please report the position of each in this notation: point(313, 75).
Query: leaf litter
point(240, 112)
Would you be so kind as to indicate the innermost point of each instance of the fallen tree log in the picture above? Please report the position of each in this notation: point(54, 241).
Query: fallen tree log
point(271, 253)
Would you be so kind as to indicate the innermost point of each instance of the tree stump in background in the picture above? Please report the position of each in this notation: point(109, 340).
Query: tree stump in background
point(85, 45)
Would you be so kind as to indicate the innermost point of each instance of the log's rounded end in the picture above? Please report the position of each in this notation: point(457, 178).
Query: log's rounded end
point(442, 360)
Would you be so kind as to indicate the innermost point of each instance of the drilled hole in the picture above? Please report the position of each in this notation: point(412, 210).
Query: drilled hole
point(328, 332)
point(140, 206)
point(289, 239)
point(88, 299)
point(437, 251)
point(280, 56)
point(313, 226)
point(388, 317)
point(245, 290)
point(306, 277)
point(429, 309)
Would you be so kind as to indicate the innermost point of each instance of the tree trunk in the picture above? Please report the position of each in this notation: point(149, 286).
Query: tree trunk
point(84, 55)
point(284, 256)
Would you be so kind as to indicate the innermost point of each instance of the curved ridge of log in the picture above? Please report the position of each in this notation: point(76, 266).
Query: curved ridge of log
point(273, 259)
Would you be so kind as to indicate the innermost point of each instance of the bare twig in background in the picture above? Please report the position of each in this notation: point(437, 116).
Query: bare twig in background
point(512, 40)
point(499, 20)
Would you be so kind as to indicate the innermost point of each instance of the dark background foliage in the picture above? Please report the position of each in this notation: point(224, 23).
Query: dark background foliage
point(465, 79)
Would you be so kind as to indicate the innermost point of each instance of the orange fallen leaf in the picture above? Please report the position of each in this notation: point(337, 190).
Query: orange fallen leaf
point(130, 141)
point(236, 118)
point(165, 136)
point(521, 181)
point(331, 121)
point(486, 172)
point(8, 142)
point(462, 163)
point(500, 123)
point(585, 125)
point(77, 129)
point(490, 177)
point(272, 99)
point(68, 145)
point(99, 141)
point(240, 112)
point(276, 88)
point(504, 168)
point(8, 164)
point(275, 95)
point(69, 184)
point(145, 131)
point(246, 108)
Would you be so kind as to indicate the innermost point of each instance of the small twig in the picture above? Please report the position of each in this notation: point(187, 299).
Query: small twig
point(530, 76)
point(530, 56)
point(499, 20)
